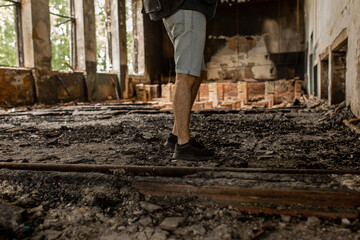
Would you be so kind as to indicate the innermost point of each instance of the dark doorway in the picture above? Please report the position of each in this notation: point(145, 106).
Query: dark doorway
point(338, 73)
point(324, 78)
point(316, 81)
point(311, 69)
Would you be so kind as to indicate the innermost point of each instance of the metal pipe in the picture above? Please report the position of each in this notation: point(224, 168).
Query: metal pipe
point(164, 171)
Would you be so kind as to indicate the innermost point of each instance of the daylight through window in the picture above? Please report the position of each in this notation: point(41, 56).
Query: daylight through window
point(61, 35)
point(8, 33)
point(102, 14)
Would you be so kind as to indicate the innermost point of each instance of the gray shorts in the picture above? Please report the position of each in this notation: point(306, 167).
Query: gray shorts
point(187, 30)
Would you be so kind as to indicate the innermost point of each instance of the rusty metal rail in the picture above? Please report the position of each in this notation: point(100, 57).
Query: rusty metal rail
point(163, 171)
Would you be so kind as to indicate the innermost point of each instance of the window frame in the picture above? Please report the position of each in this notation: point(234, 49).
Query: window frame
point(73, 42)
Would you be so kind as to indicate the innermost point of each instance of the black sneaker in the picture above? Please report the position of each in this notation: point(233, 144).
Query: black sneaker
point(192, 151)
point(171, 141)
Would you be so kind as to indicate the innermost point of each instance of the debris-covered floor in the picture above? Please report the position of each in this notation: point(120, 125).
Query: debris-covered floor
point(114, 134)
point(54, 205)
point(50, 205)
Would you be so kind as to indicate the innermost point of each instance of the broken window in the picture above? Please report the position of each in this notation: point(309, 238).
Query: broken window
point(62, 33)
point(102, 28)
point(10, 33)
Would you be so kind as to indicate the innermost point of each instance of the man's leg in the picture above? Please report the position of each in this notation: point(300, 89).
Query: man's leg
point(182, 105)
point(194, 91)
point(187, 148)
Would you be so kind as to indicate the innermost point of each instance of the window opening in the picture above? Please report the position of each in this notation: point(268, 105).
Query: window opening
point(134, 37)
point(102, 28)
point(11, 47)
point(129, 36)
point(62, 35)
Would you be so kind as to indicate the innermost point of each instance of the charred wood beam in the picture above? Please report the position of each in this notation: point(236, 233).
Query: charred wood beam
point(269, 201)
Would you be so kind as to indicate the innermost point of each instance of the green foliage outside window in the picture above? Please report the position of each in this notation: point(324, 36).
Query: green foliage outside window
point(129, 36)
point(102, 45)
point(7, 34)
point(60, 34)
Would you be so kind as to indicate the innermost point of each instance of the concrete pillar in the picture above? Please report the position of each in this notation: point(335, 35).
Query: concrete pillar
point(86, 44)
point(119, 48)
point(37, 48)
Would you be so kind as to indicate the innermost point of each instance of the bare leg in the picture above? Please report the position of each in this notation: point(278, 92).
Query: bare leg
point(182, 105)
point(194, 91)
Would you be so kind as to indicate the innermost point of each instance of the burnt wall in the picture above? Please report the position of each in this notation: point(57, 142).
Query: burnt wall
point(256, 39)
point(261, 39)
point(17, 87)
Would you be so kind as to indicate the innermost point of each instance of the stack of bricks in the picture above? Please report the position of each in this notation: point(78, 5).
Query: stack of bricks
point(147, 92)
point(239, 95)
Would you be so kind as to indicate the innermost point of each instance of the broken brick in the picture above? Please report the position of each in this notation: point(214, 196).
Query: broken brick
point(231, 91)
point(198, 106)
point(242, 91)
point(204, 92)
point(255, 91)
point(167, 92)
point(208, 105)
point(220, 91)
point(213, 92)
